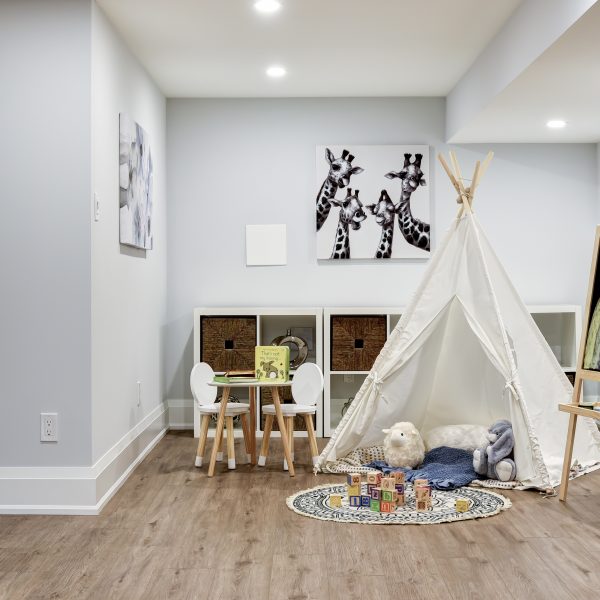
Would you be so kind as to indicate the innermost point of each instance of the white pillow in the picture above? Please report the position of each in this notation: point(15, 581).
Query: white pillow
point(466, 437)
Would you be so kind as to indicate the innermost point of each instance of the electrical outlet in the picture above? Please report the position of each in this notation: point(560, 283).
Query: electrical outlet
point(348, 378)
point(49, 427)
point(139, 393)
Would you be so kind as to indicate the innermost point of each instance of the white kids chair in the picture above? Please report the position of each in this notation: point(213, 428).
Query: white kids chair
point(205, 396)
point(307, 386)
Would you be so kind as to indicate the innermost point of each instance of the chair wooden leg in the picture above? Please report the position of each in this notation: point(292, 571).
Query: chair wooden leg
point(230, 443)
point(247, 440)
point(218, 432)
point(289, 425)
point(312, 438)
point(264, 449)
point(205, 422)
point(283, 429)
point(221, 447)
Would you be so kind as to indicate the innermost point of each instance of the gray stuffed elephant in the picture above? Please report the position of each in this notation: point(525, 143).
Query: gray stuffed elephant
point(495, 460)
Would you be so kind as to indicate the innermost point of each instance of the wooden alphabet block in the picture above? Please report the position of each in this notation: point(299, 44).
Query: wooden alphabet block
point(422, 505)
point(353, 479)
point(387, 507)
point(353, 490)
point(386, 495)
point(418, 482)
point(376, 493)
point(398, 476)
point(370, 487)
point(400, 488)
point(400, 500)
point(374, 478)
point(375, 505)
point(422, 492)
point(354, 500)
point(365, 500)
point(388, 483)
point(462, 505)
point(335, 500)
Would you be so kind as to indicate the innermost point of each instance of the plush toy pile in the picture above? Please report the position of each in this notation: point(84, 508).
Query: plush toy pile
point(492, 449)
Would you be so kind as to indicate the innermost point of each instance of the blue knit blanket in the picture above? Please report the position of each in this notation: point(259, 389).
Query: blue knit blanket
point(445, 468)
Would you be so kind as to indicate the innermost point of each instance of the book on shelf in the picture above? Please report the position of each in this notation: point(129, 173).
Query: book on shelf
point(272, 363)
point(239, 376)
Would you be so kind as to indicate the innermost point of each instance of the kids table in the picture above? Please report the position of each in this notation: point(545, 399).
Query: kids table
point(251, 385)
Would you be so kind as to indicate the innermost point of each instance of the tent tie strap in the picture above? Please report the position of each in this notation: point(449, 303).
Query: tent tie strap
point(376, 381)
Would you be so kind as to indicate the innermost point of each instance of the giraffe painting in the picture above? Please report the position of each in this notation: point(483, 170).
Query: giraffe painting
point(338, 177)
point(377, 237)
point(385, 216)
point(415, 231)
point(351, 215)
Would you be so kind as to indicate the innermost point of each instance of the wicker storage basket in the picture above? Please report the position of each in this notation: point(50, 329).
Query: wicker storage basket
point(285, 395)
point(356, 341)
point(228, 342)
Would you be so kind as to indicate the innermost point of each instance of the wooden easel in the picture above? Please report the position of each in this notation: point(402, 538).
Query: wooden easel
point(466, 195)
point(581, 374)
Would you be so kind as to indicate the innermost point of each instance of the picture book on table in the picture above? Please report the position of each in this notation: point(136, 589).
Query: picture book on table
point(272, 363)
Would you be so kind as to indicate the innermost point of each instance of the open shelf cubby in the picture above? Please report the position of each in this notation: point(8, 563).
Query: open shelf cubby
point(232, 340)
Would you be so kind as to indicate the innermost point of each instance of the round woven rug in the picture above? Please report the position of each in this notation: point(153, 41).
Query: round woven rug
point(314, 503)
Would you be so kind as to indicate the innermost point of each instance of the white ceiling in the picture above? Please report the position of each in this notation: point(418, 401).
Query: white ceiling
point(221, 48)
point(563, 83)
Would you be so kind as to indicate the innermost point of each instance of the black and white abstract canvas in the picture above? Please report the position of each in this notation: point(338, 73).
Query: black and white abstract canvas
point(372, 202)
point(135, 185)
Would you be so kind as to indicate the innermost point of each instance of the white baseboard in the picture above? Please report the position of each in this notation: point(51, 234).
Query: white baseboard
point(81, 490)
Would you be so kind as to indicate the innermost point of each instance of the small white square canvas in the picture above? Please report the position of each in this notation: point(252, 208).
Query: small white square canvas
point(266, 245)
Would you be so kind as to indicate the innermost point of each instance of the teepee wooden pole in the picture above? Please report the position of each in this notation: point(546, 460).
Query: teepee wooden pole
point(463, 192)
point(449, 172)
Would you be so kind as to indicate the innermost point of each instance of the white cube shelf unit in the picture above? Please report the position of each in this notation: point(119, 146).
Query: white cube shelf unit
point(270, 323)
point(559, 324)
point(342, 384)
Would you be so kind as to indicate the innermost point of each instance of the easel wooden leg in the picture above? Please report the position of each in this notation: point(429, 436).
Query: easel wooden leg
point(282, 428)
point(218, 432)
point(205, 421)
point(566, 470)
point(564, 481)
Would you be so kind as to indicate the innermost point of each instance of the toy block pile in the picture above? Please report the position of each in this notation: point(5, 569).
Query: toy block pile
point(384, 494)
point(422, 494)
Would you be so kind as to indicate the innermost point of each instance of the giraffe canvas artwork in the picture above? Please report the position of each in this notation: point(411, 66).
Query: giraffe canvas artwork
point(372, 202)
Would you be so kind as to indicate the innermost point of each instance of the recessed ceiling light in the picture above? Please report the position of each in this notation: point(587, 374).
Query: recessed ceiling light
point(267, 6)
point(276, 71)
point(556, 124)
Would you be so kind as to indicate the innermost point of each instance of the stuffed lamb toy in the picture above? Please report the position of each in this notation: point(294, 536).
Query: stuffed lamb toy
point(465, 437)
point(403, 446)
point(494, 460)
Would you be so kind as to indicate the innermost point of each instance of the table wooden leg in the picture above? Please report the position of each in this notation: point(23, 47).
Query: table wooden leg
point(252, 425)
point(283, 429)
point(218, 432)
point(230, 443)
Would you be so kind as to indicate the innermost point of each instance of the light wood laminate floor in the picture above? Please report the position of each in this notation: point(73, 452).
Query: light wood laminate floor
point(171, 532)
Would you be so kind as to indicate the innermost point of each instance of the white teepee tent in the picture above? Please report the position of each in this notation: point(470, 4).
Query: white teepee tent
point(466, 350)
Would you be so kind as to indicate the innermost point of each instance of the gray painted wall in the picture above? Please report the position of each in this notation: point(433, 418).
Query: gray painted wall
point(237, 162)
point(45, 229)
point(129, 286)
